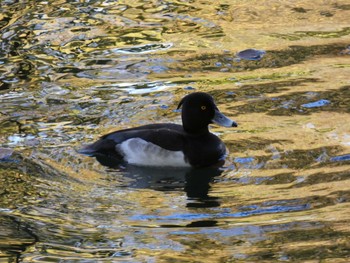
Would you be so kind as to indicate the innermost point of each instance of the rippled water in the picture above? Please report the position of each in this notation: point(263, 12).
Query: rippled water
point(72, 70)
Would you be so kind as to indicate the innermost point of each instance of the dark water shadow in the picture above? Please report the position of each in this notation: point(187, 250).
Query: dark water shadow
point(272, 59)
point(293, 103)
point(15, 237)
point(195, 182)
point(292, 233)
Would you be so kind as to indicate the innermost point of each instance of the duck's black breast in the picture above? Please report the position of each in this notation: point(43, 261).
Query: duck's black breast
point(204, 150)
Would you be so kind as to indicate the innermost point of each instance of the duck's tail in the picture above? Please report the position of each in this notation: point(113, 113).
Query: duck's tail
point(102, 146)
point(87, 150)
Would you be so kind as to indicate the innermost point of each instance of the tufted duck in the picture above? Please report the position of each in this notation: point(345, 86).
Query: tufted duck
point(168, 144)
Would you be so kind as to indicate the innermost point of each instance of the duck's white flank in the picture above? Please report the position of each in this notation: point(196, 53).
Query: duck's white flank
point(140, 152)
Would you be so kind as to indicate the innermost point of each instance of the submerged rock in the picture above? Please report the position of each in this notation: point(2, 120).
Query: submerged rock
point(5, 153)
point(251, 54)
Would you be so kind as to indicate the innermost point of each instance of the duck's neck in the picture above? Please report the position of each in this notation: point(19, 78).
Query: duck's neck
point(203, 130)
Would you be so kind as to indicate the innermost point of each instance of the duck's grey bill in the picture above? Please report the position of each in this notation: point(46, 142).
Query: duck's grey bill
point(222, 120)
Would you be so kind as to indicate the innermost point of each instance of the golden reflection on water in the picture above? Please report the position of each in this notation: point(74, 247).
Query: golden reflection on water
point(72, 71)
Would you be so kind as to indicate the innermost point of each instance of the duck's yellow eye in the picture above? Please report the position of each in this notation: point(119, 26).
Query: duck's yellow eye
point(203, 107)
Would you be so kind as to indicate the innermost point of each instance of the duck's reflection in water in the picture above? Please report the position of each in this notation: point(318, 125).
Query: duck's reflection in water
point(194, 181)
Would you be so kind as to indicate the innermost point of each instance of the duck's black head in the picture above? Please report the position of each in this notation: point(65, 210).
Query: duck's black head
point(199, 110)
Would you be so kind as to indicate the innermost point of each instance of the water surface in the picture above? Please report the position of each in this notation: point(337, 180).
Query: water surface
point(73, 70)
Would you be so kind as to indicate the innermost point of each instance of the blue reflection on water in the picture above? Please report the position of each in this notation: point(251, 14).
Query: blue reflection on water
point(319, 103)
point(192, 216)
point(340, 158)
point(244, 159)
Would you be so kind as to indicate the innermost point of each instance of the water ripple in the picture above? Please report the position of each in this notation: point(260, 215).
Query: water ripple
point(198, 216)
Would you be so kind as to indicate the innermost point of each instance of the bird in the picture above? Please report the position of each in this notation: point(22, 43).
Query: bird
point(168, 144)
